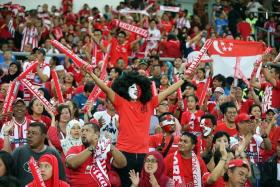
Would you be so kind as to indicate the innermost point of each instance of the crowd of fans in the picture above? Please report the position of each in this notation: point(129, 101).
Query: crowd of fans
point(151, 137)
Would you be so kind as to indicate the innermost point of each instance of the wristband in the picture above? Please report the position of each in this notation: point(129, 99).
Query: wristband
point(224, 159)
point(265, 66)
point(6, 135)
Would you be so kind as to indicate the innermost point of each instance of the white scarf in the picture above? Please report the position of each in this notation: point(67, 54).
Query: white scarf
point(177, 175)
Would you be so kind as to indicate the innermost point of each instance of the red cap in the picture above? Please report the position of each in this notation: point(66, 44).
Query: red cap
point(237, 163)
point(243, 117)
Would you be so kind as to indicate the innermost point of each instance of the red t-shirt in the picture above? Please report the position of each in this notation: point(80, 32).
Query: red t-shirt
point(119, 51)
point(223, 127)
point(155, 141)
point(219, 183)
point(271, 94)
point(134, 124)
point(187, 168)
point(245, 105)
point(170, 49)
point(44, 119)
point(244, 29)
point(81, 176)
point(192, 119)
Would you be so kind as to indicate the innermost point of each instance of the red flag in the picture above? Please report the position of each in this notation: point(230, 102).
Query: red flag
point(224, 53)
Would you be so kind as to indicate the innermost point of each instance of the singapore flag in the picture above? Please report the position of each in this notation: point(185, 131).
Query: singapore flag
point(225, 53)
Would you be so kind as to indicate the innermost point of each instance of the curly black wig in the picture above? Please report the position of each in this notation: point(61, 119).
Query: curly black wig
point(121, 85)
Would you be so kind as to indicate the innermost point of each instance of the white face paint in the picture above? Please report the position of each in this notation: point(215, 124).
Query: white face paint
point(133, 91)
point(205, 129)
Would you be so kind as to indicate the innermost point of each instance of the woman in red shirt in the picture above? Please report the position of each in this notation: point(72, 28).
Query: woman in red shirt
point(35, 110)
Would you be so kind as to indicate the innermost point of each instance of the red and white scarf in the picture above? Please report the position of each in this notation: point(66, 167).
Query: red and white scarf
point(197, 59)
point(178, 177)
point(98, 170)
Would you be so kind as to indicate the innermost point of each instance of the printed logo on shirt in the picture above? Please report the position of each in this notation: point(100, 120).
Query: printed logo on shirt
point(26, 167)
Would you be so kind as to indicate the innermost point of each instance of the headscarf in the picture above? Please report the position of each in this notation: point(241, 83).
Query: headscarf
point(52, 160)
point(8, 78)
point(54, 180)
point(162, 179)
point(69, 141)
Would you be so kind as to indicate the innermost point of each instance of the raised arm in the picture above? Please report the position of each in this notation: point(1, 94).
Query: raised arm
point(163, 95)
point(109, 92)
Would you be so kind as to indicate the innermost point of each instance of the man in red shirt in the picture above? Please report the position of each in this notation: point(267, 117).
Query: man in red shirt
point(132, 97)
point(85, 168)
point(271, 88)
point(165, 142)
point(120, 48)
point(228, 125)
point(184, 166)
point(98, 46)
point(238, 173)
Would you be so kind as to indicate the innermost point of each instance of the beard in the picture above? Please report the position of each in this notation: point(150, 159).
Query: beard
point(85, 142)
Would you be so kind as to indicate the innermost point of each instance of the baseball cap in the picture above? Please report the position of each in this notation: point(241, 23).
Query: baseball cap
point(219, 89)
point(18, 100)
point(243, 117)
point(238, 163)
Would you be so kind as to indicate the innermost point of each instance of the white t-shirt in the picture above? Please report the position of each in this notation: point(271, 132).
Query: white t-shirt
point(110, 124)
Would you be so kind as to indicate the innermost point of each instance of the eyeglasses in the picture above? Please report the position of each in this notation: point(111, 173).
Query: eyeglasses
point(164, 104)
point(150, 160)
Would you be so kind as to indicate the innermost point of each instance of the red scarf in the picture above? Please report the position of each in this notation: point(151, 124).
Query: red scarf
point(159, 174)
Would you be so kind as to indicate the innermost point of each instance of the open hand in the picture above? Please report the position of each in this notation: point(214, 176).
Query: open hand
point(134, 177)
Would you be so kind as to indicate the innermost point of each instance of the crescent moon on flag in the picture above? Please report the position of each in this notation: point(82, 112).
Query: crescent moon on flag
point(216, 47)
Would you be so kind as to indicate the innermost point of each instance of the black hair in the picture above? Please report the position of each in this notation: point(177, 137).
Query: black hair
point(211, 117)
point(56, 60)
point(191, 136)
point(224, 107)
point(229, 81)
point(151, 20)
point(46, 93)
point(8, 162)
point(59, 110)
point(8, 179)
point(122, 32)
point(191, 85)
point(220, 134)
point(117, 70)
point(122, 83)
point(94, 126)
point(160, 117)
point(220, 78)
point(41, 125)
point(89, 87)
point(193, 96)
point(253, 106)
point(202, 69)
point(29, 108)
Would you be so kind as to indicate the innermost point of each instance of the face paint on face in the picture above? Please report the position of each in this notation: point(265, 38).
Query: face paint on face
point(205, 125)
point(168, 125)
point(133, 92)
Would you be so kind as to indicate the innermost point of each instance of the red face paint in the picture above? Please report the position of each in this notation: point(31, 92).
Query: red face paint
point(139, 91)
